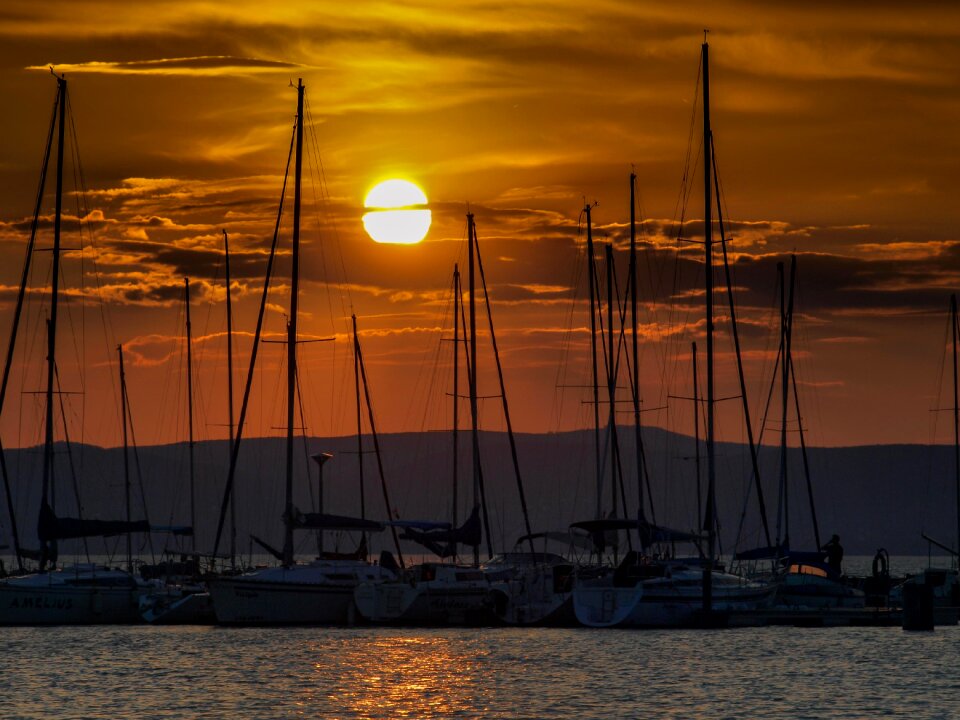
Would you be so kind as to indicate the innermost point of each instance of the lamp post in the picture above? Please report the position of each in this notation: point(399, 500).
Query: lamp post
point(320, 459)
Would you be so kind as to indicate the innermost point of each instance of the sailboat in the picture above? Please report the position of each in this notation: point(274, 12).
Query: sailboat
point(806, 580)
point(653, 591)
point(441, 592)
point(318, 592)
point(85, 593)
point(943, 582)
point(183, 599)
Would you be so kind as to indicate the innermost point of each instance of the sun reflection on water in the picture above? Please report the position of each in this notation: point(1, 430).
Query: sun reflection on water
point(423, 676)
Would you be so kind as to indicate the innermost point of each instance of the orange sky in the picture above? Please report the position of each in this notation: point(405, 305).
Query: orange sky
point(836, 139)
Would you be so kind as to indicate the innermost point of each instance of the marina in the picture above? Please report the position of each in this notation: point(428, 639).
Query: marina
point(474, 362)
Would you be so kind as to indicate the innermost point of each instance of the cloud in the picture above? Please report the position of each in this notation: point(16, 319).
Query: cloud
point(204, 66)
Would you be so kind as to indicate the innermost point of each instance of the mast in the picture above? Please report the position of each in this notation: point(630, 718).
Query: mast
point(474, 419)
point(126, 455)
point(783, 520)
point(356, 377)
point(233, 501)
point(292, 336)
point(956, 410)
point(708, 273)
point(611, 383)
point(52, 329)
point(457, 300)
point(696, 431)
point(638, 439)
point(796, 402)
point(593, 356)
point(190, 444)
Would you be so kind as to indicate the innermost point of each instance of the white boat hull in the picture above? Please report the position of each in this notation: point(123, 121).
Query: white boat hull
point(534, 595)
point(316, 594)
point(664, 602)
point(423, 604)
point(430, 594)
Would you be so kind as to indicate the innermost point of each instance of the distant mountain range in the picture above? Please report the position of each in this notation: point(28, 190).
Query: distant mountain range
point(872, 496)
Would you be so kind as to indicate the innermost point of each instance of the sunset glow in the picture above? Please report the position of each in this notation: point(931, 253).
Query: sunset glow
point(183, 119)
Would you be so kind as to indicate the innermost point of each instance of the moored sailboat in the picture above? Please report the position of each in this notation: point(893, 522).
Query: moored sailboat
point(651, 590)
point(441, 592)
point(319, 592)
point(85, 593)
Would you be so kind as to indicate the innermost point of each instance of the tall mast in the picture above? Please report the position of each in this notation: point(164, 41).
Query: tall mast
point(457, 300)
point(292, 336)
point(956, 410)
point(356, 377)
point(783, 522)
point(126, 454)
point(233, 502)
point(696, 430)
point(193, 488)
point(52, 331)
point(611, 382)
point(474, 419)
point(593, 357)
point(638, 440)
point(708, 273)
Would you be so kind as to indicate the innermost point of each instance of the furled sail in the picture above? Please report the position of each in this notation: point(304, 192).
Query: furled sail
point(443, 542)
point(51, 528)
point(325, 521)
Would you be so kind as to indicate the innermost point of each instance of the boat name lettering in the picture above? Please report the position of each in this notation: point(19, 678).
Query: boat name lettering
point(42, 603)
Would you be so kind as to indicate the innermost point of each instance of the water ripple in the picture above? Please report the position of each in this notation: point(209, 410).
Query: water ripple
point(147, 672)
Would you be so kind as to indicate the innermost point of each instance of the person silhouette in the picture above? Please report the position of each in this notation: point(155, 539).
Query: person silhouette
point(834, 551)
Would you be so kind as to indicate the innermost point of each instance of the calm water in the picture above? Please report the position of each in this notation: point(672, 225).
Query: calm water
point(125, 672)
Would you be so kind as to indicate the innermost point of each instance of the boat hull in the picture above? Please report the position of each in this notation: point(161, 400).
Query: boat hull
point(178, 609)
point(317, 594)
point(62, 598)
point(424, 604)
point(237, 601)
point(664, 603)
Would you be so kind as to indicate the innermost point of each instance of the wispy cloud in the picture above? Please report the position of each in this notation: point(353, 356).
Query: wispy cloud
point(200, 66)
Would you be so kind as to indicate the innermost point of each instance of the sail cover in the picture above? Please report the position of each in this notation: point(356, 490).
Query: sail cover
point(443, 543)
point(50, 527)
point(649, 533)
point(325, 521)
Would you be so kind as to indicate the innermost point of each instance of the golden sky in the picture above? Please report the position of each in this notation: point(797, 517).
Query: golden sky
point(836, 139)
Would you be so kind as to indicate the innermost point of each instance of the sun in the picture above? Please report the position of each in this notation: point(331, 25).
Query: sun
point(397, 213)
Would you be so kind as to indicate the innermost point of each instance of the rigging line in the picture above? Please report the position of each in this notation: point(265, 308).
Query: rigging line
point(73, 469)
point(228, 490)
point(503, 396)
point(315, 182)
point(317, 171)
point(11, 347)
point(136, 463)
point(641, 454)
point(934, 416)
point(306, 452)
point(806, 461)
point(728, 271)
point(662, 359)
point(109, 339)
point(376, 444)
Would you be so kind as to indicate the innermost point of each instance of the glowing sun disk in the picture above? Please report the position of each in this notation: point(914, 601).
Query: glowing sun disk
point(396, 213)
